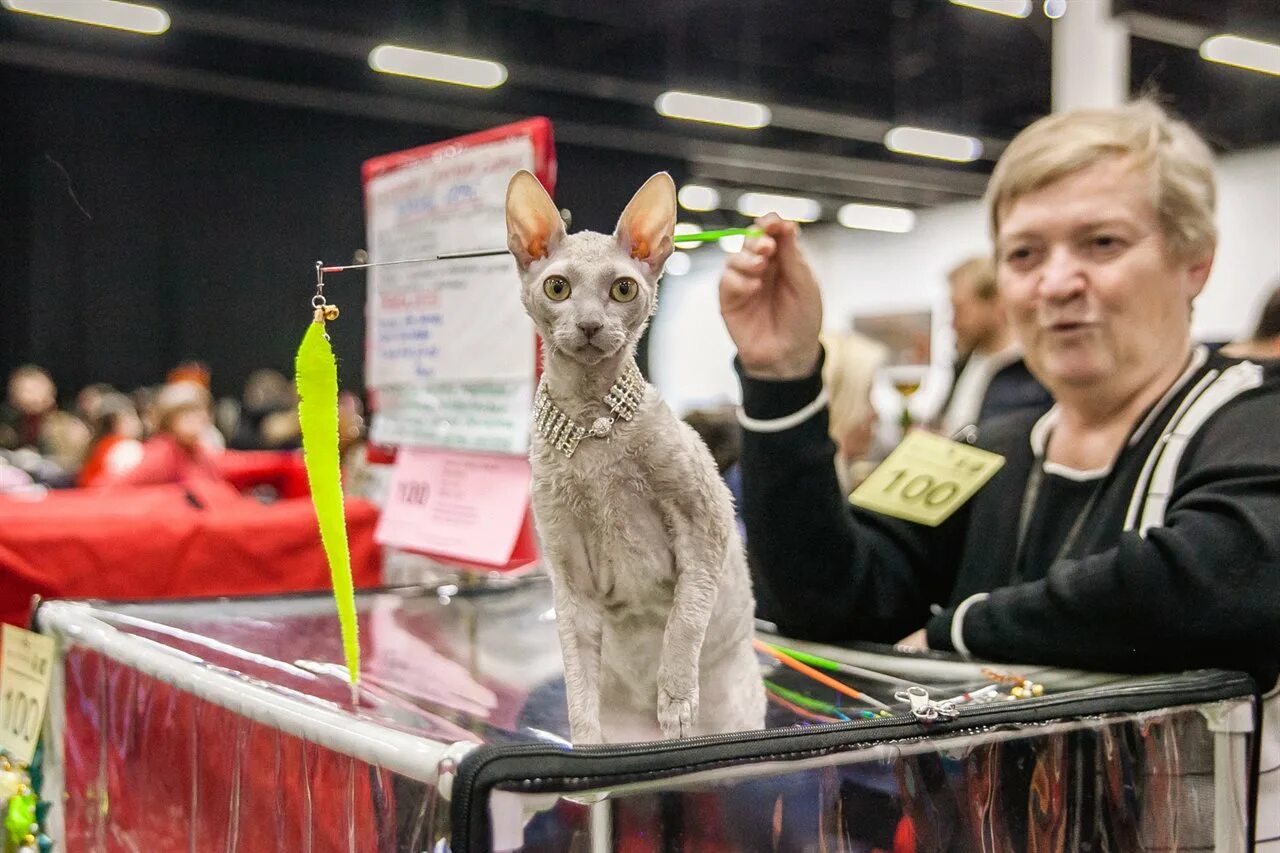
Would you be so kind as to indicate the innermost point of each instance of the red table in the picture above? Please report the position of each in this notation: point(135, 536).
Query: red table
point(154, 542)
point(280, 469)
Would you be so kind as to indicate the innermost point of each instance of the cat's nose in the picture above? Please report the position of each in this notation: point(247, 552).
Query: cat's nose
point(588, 329)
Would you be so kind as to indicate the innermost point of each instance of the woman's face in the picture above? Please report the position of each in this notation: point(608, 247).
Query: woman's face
point(1089, 282)
point(128, 424)
point(188, 425)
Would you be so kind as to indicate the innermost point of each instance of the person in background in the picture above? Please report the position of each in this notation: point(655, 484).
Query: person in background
point(88, 400)
point(1265, 341)
point(176, 452)
point(197, 373)
point(848, 374)
point(30, 419)
point(116, 446)
point(719, 431)
point(268, 413)
point(991, 377)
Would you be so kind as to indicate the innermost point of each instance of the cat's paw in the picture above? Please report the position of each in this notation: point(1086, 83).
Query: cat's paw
point(584, 733)
point(676, 714)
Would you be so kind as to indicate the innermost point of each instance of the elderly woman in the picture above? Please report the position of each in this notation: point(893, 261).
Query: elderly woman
point(1108, 540)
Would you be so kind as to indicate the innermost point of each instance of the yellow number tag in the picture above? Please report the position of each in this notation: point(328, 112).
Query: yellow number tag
point(26, 666)
point(926, 478)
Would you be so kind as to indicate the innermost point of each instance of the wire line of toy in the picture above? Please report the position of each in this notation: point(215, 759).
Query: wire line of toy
point(697, 237)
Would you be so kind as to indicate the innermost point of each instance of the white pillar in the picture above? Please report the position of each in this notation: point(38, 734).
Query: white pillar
point(1090, 57)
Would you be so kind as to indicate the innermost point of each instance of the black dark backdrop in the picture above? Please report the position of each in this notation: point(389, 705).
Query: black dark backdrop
point(141, 227)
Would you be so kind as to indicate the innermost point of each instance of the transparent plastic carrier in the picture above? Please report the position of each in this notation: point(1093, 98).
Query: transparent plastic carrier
point(227, 725)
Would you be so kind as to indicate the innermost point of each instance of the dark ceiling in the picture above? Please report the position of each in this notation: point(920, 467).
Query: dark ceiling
point(837, 74)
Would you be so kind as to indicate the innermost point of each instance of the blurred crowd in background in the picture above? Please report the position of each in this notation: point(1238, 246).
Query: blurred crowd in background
point(167, 433)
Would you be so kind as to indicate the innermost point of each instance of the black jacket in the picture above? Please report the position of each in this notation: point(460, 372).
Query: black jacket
point(1201, 591)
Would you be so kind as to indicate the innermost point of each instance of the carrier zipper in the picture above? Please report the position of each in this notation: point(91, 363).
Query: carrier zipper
point(944, 717)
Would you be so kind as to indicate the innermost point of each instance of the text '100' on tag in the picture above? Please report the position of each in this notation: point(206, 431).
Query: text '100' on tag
point(926, 478)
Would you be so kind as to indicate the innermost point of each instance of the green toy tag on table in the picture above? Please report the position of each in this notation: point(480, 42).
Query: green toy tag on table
point(26, 666)
point(926, 478)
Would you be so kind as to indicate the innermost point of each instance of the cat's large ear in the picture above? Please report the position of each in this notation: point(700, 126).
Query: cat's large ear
point(647, 226)
point(534, 226)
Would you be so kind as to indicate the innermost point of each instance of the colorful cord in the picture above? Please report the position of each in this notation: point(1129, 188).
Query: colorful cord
point(819, 677)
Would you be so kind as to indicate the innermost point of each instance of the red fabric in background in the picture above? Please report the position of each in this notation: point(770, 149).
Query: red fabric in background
point(282, 470)
point(153, 542)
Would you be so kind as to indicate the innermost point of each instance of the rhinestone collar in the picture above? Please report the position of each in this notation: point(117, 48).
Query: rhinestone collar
point(564, 433)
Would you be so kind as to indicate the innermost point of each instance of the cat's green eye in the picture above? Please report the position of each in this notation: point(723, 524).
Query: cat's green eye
point(556, 287)
point(624, 290)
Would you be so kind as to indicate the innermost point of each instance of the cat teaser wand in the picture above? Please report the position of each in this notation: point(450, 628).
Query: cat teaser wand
point(699, 237)
point(317, 382)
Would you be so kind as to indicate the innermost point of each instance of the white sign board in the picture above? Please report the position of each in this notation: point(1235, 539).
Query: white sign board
point(447, 338)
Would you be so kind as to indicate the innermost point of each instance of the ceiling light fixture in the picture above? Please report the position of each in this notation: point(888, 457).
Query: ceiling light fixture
point(101, 13)
point(933, 143)
point(1011, 8)
point(687, 228)
point(678, 264)
point(1055, 9)
point(691, 107)
point(875, 217)
point(697, 197)
point(794, 208)
point(440, 67)
point(1242, 53)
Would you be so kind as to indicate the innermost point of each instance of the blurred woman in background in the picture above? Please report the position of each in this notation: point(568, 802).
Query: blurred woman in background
point(176, 452)
point(116, 445)
point(848, 374)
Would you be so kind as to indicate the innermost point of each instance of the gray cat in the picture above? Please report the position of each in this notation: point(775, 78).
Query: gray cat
point(653, 599)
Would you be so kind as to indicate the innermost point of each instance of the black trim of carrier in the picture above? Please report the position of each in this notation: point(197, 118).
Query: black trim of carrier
point(538, 768)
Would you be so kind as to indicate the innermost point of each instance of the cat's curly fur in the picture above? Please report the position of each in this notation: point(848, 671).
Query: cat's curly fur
point(653, 598)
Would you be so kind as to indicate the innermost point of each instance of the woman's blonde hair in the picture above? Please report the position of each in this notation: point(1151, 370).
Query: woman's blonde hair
point(1177, 159)
point(848, 373)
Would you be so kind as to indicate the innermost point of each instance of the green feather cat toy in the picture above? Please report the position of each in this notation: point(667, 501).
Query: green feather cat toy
point(317, 381)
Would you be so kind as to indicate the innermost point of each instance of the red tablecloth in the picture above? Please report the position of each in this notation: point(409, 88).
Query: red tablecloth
point(283, 470)
point(153, 542)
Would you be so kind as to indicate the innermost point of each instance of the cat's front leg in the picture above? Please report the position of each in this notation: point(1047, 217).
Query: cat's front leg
point(699, 541)
point(695, 596)
point(580, 626)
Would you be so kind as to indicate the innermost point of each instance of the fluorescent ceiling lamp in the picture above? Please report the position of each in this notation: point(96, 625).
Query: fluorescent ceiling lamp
point(687, 105)
point(875, 217)
point(441, 67)
point(695, 197)
point(678, 264)
point(687, 228)
point(933, 143)
point(1243, 53)
point(1012, 8)
point(101, 13)
point(732, 244)
point(1054, 9)
point(794, 208)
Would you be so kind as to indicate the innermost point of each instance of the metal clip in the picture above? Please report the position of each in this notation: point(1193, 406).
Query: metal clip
point(927, 710)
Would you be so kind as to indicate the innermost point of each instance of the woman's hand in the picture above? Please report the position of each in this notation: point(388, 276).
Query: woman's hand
point(772, 305)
